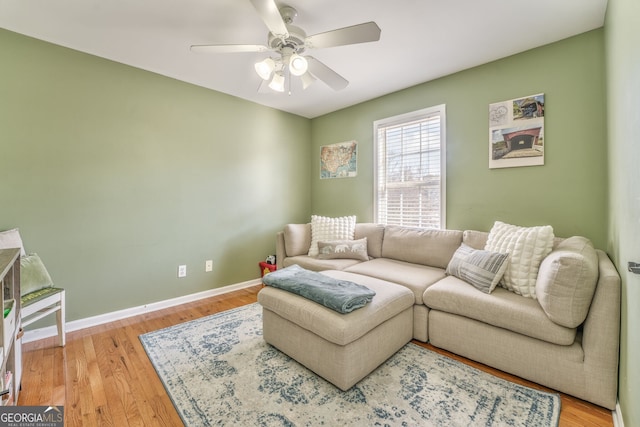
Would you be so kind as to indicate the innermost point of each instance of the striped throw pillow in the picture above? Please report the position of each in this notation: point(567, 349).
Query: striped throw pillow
point(482, 269)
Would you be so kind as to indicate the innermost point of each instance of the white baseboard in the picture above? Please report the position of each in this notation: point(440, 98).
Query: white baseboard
point(617, 416)
point(75, 325)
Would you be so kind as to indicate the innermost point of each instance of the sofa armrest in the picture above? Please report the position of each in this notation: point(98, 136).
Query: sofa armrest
point(601, 333)
point(280, 252)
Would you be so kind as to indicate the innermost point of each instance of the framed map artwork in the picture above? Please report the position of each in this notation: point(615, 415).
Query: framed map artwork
point(339, 160)
point(516, 132)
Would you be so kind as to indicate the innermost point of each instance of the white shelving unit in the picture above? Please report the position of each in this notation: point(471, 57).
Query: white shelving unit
point(11, 350)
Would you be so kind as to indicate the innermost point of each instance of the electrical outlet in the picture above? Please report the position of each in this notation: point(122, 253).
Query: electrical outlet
point(208, 265)
point(182, 271)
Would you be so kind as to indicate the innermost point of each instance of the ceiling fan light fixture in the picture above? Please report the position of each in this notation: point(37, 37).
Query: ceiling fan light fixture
point(277, 83)
point(298, 65)
point(265, 68)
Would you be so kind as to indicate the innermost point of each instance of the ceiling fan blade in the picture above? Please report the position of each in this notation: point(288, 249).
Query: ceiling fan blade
point(334, 80)
point(229, 48)
point(361, 33)
point(269, 13)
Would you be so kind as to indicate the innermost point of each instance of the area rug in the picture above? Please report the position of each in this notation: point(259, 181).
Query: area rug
point(219, 371)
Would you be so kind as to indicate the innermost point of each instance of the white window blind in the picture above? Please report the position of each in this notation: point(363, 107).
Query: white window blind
point(410, 169)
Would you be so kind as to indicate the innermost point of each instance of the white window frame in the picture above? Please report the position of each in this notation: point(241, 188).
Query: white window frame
point(423, 114)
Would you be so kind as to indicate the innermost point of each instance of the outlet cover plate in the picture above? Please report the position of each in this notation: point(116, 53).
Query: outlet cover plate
point(182, 271)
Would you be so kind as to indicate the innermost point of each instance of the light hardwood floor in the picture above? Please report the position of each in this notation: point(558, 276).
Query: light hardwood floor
point(104, 378)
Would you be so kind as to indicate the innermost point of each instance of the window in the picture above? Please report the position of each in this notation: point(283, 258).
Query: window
point(410, 169)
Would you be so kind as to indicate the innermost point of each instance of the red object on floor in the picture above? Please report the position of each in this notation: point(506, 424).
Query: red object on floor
point(266, 268)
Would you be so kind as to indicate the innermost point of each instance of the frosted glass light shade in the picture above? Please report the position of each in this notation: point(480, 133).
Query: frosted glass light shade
point(298, 65)
point(265, 68)
point(277, 83)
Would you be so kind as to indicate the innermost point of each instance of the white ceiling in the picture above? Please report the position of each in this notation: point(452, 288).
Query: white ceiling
point(421, 39)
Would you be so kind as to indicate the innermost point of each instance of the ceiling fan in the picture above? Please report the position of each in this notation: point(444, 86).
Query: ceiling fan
point(290, 42)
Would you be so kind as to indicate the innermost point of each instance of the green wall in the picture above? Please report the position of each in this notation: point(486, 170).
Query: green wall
point(115, 176)
point(623, 91)
point(569, 191)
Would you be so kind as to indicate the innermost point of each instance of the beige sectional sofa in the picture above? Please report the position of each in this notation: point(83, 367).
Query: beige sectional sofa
point(566, 339)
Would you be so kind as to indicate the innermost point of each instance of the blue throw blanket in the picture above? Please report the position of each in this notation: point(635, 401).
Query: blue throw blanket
point(339, 295)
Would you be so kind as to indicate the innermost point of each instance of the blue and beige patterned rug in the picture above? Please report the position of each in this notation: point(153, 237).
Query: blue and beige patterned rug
point(219, 371)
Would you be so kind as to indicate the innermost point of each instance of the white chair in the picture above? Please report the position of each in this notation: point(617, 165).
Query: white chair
point(38, 304)
point(38, 296)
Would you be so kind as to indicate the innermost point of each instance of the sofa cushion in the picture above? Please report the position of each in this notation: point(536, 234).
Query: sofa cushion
point(297, 239)
point(420, 246)
point(482, 269)
point(416, 277)
point(501, 308)
point(526, 246)
point(567, 281)
point(316, 264)
point(339, 249)
point(325, 228)
point(475, 239)
point(374, 234)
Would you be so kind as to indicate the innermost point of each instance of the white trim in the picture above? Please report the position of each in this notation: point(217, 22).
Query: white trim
point(436, 110)
point(618, 421)
point(76, 325)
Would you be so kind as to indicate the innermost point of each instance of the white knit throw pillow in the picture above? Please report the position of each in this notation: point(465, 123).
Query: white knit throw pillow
point(325, 228)
point(527, 247)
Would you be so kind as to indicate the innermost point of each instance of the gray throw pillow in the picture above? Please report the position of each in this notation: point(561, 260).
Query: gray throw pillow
point(337, 249)
point(482, 269)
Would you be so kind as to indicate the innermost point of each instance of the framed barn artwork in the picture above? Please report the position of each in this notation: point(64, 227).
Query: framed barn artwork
point(516, 132)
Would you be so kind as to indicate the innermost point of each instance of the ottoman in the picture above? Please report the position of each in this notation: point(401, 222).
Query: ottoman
point(341, 348)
